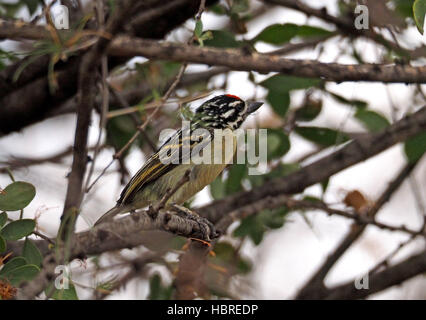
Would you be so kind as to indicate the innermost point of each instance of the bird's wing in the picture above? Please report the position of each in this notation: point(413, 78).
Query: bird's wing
point(168, 156)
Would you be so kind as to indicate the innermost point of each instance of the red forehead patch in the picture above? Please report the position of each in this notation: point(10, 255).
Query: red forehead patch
point(232, 96)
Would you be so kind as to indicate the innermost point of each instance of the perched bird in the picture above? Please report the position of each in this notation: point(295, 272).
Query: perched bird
point(157, 177)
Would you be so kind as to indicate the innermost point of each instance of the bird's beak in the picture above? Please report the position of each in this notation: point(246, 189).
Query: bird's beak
point(253, 106)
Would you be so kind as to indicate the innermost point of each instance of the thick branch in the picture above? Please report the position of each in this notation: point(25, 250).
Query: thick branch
point(315, 288)
point(114, 235)
point(387, 278)
point(354, 152)
point(28, 100)
point(238, 60)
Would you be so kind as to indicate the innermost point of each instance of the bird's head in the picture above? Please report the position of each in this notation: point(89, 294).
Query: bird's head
point(225, 111)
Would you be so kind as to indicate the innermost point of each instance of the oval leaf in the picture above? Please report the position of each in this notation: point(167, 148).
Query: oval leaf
point(282, 84)
point(18, 229)
point(222, 39)
point(16, 196)
point(279, 102)
point(323, 136)
point(371, 120)
point(277, 33)
point(31, 253)
point(198, 28)
point(419, 10)
point(12, 264)
point(415, 147)
point(236, 175)
point(23, 273)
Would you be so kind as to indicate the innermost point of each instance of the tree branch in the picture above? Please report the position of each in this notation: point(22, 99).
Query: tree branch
point(345, 25)
point(114, 235)
point(387, 278)
point(237, 60)
point(28, 99)
point(353, 152)
point(315, 288)
point(87, 79)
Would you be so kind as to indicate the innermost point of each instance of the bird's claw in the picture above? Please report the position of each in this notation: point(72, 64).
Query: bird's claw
point(207, 229)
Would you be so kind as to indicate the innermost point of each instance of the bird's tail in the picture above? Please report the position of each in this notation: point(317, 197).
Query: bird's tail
point(109, 215)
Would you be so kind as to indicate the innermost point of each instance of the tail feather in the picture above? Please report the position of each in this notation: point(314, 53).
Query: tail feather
point(109, 215)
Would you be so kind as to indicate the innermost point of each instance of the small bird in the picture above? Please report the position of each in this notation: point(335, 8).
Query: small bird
point(156, 177)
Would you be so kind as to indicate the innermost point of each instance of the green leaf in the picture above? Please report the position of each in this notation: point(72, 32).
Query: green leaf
point(18, 229)
point(351, 102)
point(278, 143)
point(415, 147)
point(16, 196)
point(311, 199)
point(198, 28)
point(273, 219)
point(217, 188)
point(404, 7)
point(63, 294)
point(324, 184)
point(3, 219)
point(277, 33)
point(309, 111)
point(31, 253)
point(222, 39)
point(322, 136)
point(11, 265)
point(252, 227)
point(157, 290)
point(3, 245)
point(311, 31)
point(32, 5)
point(235, 178)
point(282, 84)
point(372, 120)
point(419, 11)
point(279, 102)
point(22, 273)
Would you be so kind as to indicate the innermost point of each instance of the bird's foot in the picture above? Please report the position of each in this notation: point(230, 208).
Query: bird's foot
point(207, 229)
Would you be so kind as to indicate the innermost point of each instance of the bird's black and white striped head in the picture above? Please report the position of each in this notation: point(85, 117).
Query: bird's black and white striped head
point(225, 112)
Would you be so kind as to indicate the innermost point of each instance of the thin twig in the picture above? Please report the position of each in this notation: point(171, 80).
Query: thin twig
point(105, 96)
point(315, 288)
point(156, 109)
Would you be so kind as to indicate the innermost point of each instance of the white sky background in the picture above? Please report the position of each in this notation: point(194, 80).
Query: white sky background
point(288, 256)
